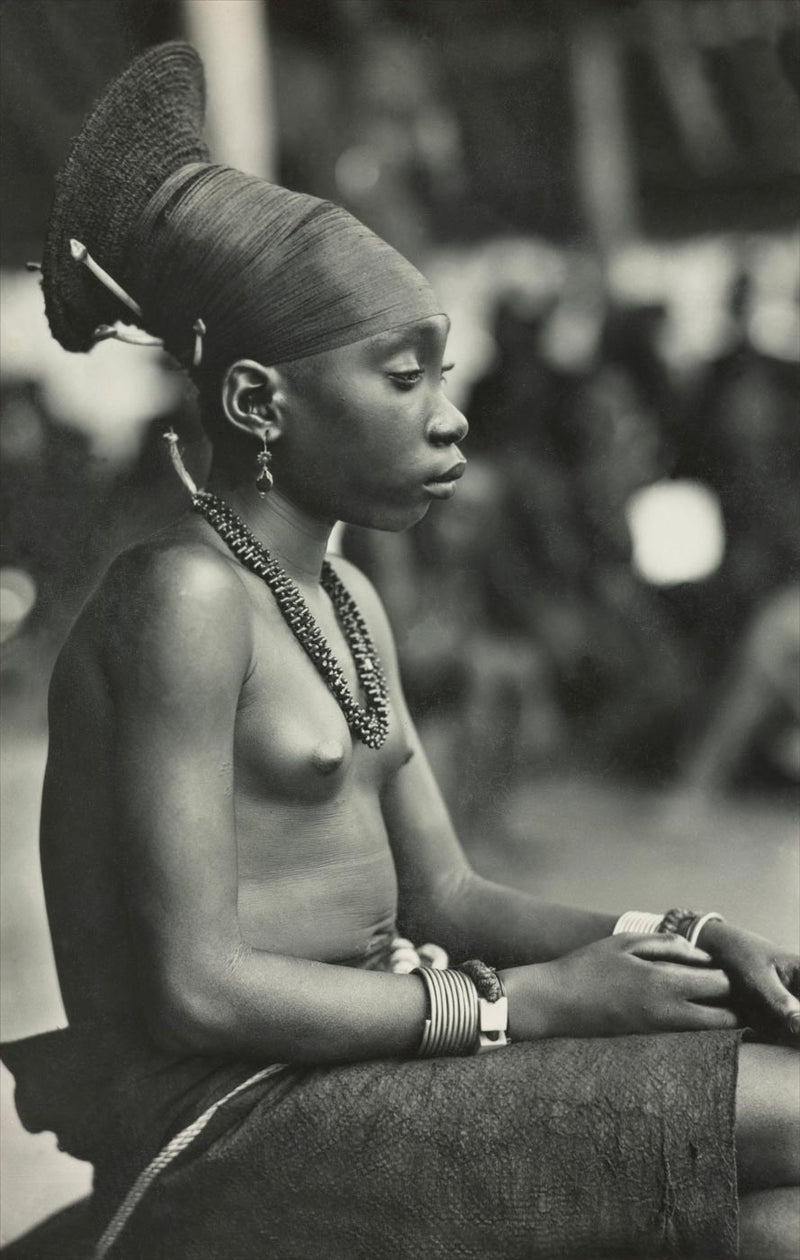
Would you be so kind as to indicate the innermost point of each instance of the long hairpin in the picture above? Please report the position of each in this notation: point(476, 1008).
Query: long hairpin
point(124, 332)
point(199, 330)
point(171, 439)
point(127, 333)
point(81, 254)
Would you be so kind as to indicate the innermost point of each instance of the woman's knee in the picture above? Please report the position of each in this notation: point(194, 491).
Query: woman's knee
point(768, 1118)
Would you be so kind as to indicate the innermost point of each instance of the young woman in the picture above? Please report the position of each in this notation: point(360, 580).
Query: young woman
point(239, 820)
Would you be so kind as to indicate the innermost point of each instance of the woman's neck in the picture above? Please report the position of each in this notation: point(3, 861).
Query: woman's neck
point(297, 540)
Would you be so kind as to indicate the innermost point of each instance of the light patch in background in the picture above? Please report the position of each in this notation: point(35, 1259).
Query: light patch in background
point(694, 280)
point(677, 532)
point(111, 394)
point(17, 598)
point(232, 37)
point(470, 280)
point(357, 171)
point(774, 322)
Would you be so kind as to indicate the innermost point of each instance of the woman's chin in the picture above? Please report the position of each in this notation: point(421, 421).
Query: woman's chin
point(391, 520)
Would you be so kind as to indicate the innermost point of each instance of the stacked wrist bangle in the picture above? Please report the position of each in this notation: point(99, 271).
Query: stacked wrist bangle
point(638, 921)
point(466, 1015)
point(686, 923)
point(452, 1024)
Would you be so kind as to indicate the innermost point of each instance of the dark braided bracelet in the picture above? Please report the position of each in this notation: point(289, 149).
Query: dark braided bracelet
point(678, 921)
point(483, 977)
point(687, 923)
point(492, 1005)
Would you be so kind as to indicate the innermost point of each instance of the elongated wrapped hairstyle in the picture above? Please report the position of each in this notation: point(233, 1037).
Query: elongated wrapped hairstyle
point(202, 250)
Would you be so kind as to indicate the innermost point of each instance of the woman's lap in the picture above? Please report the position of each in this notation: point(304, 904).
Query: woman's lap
point(617, 1147)
point(767, 1118)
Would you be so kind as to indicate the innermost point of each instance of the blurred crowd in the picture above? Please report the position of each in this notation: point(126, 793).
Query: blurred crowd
point(531, 635)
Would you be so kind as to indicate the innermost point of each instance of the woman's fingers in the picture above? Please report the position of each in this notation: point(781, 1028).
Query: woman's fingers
point(783, 1005)
point(691, 984)
point(707, 984)
point(788, 969)
point(666, 947)
point(700, 1018)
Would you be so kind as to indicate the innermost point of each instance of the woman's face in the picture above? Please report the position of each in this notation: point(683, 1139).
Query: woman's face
point(369, 435)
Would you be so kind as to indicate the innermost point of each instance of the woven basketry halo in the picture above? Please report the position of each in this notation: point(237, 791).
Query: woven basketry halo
point(146, 125)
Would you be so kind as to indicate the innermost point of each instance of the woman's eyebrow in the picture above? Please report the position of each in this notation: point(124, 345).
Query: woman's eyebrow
point(386, 342)
point(409, 337)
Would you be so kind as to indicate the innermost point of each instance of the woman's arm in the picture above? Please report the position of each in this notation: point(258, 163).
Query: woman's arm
point(583, 982)
point(443, 900)
point(572, 992)
point(179, 658)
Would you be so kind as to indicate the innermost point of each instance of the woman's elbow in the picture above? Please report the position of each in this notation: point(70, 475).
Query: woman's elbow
point(190, 1015)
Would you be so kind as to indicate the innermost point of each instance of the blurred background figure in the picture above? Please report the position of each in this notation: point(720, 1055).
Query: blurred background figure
point(478, 681)
point(752, 734)
point(599, 635)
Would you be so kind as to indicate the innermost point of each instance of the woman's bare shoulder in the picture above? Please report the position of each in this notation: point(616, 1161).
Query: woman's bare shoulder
point(169, 595)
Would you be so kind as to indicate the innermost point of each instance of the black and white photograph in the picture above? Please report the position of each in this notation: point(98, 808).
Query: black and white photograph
point(400, 630)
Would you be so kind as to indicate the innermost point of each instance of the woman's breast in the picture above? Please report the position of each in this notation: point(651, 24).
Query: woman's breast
point(316, 873)
point(292, 742)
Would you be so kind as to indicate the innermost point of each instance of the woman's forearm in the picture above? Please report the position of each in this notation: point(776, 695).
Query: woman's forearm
point(273, 1008)
point(507, 928)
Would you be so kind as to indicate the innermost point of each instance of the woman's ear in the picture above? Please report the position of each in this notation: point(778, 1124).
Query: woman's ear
point(249, 399)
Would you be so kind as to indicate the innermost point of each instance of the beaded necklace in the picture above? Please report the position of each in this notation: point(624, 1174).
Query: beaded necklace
point(370, 724)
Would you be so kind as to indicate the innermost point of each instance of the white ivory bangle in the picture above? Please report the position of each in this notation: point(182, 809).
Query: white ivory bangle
point(700, 923)
point(639, 921)
point(493, 1034)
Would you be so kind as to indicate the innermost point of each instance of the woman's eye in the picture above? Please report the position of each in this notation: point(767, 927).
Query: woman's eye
point(407, 380)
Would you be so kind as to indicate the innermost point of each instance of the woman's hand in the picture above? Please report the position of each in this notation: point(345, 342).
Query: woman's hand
point(620, 984)
point(765, 981)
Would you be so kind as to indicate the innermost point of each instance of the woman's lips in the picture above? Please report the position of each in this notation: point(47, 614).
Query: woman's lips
point(444, 486)
point(440, 489)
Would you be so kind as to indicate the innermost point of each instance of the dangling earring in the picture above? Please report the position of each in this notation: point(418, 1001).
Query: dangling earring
point(265, 480)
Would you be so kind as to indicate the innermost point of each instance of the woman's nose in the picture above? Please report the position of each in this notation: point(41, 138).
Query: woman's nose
point(447, 426)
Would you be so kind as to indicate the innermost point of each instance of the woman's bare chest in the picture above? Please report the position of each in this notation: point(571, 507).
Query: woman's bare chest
point(290, 724)
point(294, 756)
point(316, 872)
